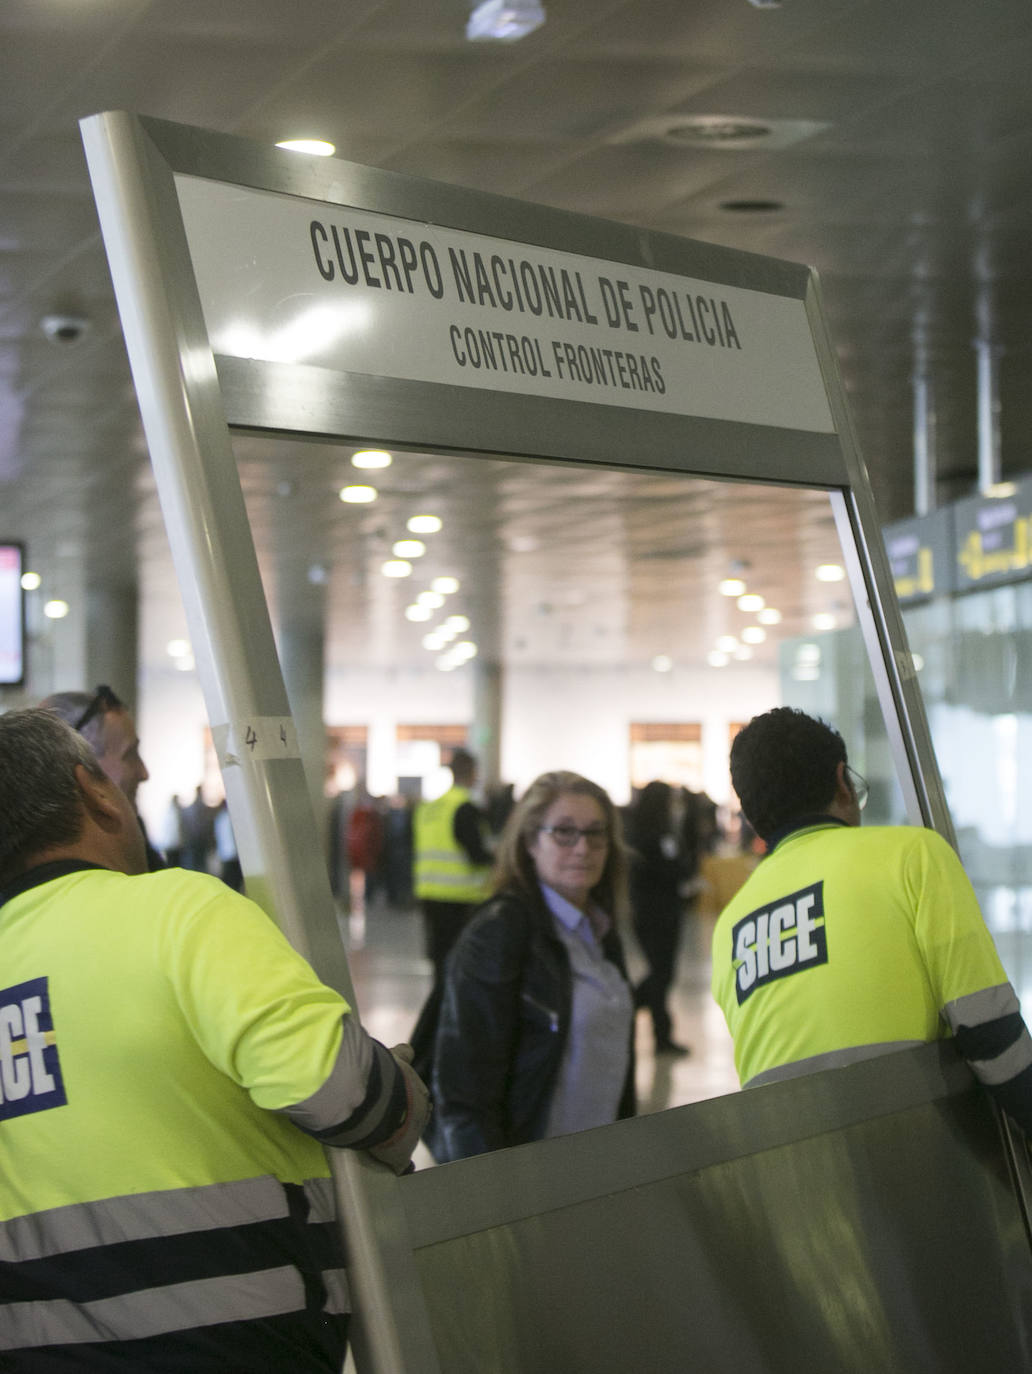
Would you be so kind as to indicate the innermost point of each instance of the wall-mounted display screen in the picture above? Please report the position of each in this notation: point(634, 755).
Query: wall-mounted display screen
point(12, 615)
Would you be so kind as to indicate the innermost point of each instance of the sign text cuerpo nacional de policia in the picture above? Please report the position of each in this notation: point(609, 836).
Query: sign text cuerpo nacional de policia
point(288, 280)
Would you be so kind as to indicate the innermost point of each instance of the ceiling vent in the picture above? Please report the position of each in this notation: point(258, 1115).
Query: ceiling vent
point(720, 132)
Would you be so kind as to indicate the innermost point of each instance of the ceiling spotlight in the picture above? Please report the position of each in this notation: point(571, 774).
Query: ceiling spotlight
point(432, 599)
point(731, 586)
point(458, 623)
point(751, 601)
point(769, 616)
point(358, 496)
point(504, 21)
point(371, 458)
point(56, 610)
point(177, 648)
point(396, 567)
point(423, 524)
point(824, 620)
point(409, 548)
point(417, 612)
point(314, 147)
point(30, 581)
point(754, 634)
point(727, 644)
point(716, 659)
point(830, 572)
point(185, 664)
point(445, 585)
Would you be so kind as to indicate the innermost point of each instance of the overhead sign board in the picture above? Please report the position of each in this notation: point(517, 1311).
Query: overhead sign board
point(993, 538)
point(921, 555)
point(286, 280)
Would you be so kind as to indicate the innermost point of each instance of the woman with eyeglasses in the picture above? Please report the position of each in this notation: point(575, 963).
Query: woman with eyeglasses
point(535, 1037)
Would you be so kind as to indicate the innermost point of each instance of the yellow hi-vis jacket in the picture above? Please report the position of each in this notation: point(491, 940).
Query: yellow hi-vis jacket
point(443, 871)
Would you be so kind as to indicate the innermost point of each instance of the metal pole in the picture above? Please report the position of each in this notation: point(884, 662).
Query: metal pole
point(990, 464)
point(924, 446)
point(199, 489)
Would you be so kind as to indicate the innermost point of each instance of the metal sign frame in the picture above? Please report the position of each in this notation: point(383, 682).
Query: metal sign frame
point(189, 401)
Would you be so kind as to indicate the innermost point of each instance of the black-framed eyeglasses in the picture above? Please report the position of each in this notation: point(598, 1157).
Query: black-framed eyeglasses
point(104, 700)
point(566, 836)
point(859, 785)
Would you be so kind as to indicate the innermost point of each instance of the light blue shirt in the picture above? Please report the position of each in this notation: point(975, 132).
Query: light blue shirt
point(597, 1051)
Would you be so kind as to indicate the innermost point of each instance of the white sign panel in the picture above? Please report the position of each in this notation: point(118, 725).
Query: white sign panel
point(288, 280)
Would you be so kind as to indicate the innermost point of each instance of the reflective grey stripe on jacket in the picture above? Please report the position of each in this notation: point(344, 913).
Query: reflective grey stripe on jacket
point(153, 1311)
point(977, 1012)
point(146, 1216)
point(156, 1311)
point(833, 1059)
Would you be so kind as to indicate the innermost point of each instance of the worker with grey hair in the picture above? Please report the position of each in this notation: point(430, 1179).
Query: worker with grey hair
point(170, 1071)
point(107, 726)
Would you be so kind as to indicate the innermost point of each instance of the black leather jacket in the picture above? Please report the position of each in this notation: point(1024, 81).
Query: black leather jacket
point(504, 1020)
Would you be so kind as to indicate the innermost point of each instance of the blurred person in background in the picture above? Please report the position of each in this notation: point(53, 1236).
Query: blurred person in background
point(663, 859)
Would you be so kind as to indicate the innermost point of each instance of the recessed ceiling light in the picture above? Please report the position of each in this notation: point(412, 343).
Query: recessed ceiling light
point(417, 612)
point(754, 634)
point(731, 586)
point(178, 648)
point(751, 601)
point(752, 207)
point(458, 623)
point(769, 616)
point(314, 147)
point(445, 585)
point(662, 663)
point(710, 129)
point(56, 610)
point(30, 581)
point(824, 620)
point(504, 21)
point(432, 599)
point(830, 572)
point(465, 649)
point(185, 664)
point(716, 659)
point(396, 567)
point(423, 524)
point(371, 458)
point(727, 644)
point(358, 496)
point(743, 652)
point(409, 548)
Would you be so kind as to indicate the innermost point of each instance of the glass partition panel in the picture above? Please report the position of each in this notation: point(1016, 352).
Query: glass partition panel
point(545, 615)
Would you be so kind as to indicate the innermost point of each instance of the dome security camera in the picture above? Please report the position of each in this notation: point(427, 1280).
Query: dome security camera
point(64, 329)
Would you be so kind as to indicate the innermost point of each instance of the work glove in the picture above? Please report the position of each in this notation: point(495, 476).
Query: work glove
point(397, 1152)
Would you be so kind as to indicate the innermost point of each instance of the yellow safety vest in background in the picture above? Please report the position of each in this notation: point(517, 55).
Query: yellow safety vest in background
point(443, 872)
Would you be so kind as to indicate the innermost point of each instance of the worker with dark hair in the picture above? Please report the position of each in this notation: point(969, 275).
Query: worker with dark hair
point(850, 942)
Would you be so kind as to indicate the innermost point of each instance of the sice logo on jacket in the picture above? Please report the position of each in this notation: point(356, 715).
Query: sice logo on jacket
point(784, 937)
point(30, 1070)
